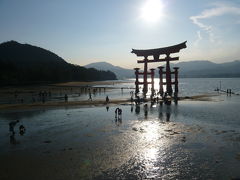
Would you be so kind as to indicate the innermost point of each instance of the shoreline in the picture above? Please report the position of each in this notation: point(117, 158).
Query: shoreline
point(88, 103)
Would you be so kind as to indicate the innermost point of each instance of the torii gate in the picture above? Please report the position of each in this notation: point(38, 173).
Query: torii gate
point(156, 53)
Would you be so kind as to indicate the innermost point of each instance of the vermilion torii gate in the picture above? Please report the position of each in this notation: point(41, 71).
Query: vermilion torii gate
point(156, 53)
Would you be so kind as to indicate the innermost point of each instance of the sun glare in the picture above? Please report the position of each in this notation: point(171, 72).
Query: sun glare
point(152, 10)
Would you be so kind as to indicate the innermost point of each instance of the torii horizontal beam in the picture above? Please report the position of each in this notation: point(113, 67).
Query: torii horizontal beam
point(159, 60)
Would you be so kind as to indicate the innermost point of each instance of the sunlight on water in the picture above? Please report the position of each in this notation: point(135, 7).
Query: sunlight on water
point(150, 154)
point(156, 86)
point(151, 132)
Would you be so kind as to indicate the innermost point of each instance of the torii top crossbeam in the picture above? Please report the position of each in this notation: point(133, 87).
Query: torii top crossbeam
point(160, 51)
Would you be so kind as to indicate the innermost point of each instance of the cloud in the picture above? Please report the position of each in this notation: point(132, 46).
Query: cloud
point(199, 38)
point(219, 9)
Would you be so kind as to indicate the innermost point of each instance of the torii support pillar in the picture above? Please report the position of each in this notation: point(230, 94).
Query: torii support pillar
point(176, 79)
point(161, 80)
point(136, 82)
point(145, 72)
point(168, 76)
point(152, 80)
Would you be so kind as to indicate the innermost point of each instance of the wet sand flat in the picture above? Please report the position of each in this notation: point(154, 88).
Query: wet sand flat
point(190, 140)
point(196, 138)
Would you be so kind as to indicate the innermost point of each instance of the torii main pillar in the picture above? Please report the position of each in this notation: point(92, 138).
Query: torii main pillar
point(145, 73)
point(168, 76)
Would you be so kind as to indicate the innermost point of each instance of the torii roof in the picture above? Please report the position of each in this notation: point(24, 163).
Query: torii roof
point(159, 51)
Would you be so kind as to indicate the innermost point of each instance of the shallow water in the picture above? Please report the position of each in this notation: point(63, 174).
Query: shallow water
point(116, 90)
point(190, 140)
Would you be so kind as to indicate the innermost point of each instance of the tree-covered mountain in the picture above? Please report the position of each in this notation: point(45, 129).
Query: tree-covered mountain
point(120, 72)
point(24, 63)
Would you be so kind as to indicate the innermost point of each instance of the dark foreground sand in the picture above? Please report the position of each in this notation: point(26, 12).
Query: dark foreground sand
point(143, 150)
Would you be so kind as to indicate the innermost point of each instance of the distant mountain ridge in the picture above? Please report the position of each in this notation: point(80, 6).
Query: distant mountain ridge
point(188, 69)
point(208, 69)
point(25, 64)
point(120, 72)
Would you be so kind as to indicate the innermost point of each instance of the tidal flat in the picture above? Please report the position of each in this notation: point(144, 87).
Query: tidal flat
point(196, 138)
point(188, 140)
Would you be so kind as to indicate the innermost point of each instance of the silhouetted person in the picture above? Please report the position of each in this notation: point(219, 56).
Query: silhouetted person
point(22, 130)
point(90, 96)
point(12, 125)
point(116, 112)
point(119, 113)
point(66, 97)
point(107, 99)
point(107, 107)
point(132, 99)
point(118, 116)
point(137, 101)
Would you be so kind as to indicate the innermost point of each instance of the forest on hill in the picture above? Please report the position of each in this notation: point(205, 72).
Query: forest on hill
point(27, 64)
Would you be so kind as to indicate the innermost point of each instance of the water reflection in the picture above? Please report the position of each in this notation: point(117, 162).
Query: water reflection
point(118, 121)
point(145, 111)
point(107, 108)
point(12, 139)
point(137, 109)
point(149, 110)
point(13, 115)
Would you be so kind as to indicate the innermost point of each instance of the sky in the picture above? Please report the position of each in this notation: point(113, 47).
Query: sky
point(86, 31)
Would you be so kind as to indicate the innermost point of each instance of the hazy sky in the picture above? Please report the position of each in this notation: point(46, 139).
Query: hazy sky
point(85, 31)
